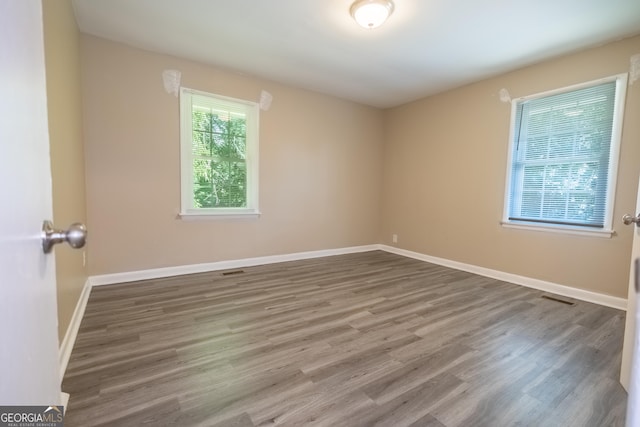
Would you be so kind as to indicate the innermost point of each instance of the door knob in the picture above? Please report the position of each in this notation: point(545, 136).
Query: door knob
point(628, 219)
point(75, 236)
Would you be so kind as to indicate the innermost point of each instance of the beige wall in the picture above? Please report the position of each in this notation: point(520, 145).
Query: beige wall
point(320, 162)
point(62, 56)
point(444, 178)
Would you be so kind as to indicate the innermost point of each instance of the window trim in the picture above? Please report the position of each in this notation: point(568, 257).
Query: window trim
point(187, 211)
point(616, 138)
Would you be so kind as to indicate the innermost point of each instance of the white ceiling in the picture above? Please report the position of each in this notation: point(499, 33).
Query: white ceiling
point(426, 46)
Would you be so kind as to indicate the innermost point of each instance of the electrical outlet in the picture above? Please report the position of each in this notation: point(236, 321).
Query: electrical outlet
point(394, 238)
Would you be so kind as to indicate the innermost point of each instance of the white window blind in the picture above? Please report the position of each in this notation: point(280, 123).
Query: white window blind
point(561, 163)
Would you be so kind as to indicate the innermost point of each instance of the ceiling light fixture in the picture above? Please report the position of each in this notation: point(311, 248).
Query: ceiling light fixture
point(371, 13)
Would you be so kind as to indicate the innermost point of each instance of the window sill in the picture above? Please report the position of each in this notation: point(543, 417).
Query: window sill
point(219, 215)
point(560, 229)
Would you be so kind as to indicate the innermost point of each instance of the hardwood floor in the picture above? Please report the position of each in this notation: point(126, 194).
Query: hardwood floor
point(370, 339)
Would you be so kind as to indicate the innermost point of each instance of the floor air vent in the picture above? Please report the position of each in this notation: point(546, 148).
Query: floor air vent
point(558, 300)
point(229, 273)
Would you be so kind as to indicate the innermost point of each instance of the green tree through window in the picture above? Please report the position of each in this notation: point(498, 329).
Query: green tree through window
point(219, 154)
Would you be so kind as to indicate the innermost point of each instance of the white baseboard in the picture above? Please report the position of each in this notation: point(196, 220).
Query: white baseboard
point(567, 291)
point(72, 330)
point(64, 400)
point(156, 273)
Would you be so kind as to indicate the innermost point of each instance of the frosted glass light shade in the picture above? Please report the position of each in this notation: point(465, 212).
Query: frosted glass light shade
point(371, 13)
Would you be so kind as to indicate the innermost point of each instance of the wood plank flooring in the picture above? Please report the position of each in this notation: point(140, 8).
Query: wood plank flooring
point(370, 339)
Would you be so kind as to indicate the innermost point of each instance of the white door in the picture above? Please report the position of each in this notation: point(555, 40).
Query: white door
point(630, 370)
point(28, 315)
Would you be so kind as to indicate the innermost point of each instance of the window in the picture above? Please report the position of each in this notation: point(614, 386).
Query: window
point(563, 157)
point(219, 155)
